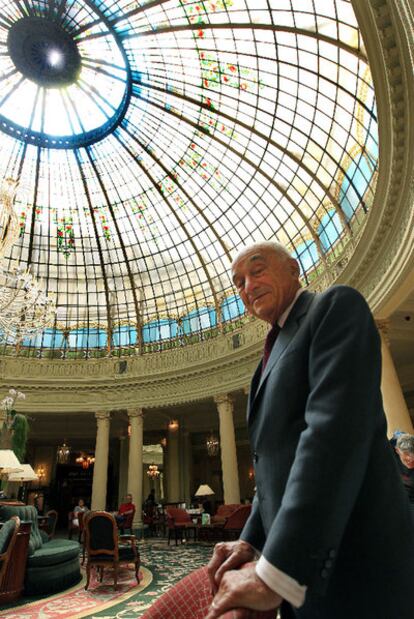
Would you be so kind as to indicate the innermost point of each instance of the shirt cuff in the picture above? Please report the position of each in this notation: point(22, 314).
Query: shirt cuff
point(282, 584)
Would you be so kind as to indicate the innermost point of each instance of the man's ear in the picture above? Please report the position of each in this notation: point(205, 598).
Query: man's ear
point(295, 269)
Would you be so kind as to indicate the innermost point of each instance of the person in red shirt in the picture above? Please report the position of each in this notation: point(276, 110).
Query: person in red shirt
point(125, 509)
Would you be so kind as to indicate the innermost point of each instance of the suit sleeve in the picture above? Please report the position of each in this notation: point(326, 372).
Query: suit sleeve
point(343, 410)
point(253, 532)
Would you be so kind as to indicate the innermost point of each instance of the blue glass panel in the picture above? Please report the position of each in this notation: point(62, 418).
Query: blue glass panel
point(307, 255)
point(49, 338)
point(199, 319)
point(330, 229)
point(81, 338)
point(124, 336)
point(354, 185)
point(159, 330)
point(232, 307)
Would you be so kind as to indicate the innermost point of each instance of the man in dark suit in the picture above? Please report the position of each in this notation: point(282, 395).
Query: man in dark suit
point(330, 519)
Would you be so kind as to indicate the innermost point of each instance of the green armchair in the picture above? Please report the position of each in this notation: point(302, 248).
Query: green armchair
point(52, 565)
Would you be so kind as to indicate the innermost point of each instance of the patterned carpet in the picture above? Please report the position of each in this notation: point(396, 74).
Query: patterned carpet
point(162, 567)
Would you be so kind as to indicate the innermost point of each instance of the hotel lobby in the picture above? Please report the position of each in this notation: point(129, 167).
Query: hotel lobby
point(143, 145)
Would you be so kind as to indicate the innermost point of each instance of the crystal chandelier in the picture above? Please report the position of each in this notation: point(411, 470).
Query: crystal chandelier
point(153, 471)
point(63, 453)
point(213, 445)
point(25, 308)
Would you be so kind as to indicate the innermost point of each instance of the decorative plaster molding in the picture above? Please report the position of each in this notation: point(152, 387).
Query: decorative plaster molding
point(170, 377)
point(385, 255)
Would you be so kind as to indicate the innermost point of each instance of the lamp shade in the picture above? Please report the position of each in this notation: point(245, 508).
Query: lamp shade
point(9, 462)
point(204, 490)
point(26, 474)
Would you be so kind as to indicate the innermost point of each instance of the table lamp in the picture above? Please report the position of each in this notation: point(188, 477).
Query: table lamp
point(23, 477)
point(9, 462)
point(204, 491)
point(26, 473)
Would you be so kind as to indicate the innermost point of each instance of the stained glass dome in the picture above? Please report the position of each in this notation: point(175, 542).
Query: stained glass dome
point(153, 139)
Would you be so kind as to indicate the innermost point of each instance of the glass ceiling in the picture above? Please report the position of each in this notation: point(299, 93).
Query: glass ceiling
point(153, 139)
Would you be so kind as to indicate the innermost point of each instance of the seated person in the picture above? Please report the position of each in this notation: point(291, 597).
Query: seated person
point(150, 500)
point(124, 510)
point(80, 507)
point(404, 447)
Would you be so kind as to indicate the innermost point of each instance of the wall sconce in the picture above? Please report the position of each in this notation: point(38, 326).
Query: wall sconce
point(85, 460)
point(173, 425)
point(41, 473)
point(251, 473)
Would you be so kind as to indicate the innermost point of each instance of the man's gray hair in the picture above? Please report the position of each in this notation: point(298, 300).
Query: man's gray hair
point(405, 442)
point(275, 246)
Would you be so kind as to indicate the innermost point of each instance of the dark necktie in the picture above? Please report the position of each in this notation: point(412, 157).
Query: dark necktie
point(270, 340)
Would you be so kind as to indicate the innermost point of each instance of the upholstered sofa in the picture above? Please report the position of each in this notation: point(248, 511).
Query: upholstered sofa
point(223, 512)
point(52, 565)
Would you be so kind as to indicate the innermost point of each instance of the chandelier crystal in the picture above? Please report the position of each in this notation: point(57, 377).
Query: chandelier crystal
point(9, 222)
point(25, 308)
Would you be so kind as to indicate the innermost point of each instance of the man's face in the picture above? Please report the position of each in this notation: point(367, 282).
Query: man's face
point(407, 458)
point(128, 498)
point(266, 282)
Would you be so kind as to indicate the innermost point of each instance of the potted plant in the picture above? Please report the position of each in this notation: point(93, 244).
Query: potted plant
point(15, 430)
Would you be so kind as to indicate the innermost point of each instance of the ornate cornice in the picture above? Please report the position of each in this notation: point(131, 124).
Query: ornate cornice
point(385, 255)
point(175, 376)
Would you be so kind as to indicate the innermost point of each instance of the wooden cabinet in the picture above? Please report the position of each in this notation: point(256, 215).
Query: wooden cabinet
point(14, 580)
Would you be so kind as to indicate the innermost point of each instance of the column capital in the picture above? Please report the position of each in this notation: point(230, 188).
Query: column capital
point(223, 398)
point(101, 415)
point(135, 412)
point(383, 326)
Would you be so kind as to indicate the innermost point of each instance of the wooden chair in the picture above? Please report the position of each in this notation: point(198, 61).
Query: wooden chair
point(179, 523)
point(71, 526)
point(104, 549)
point(52, 518)
point(8, 535)
point(82, 534)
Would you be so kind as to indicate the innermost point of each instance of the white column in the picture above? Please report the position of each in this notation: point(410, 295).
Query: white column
point(100, 469)
point(173, 474)
point(230, 470)
point(136, 420)
point(123, 467)
point(186, 463)
point(395, 407)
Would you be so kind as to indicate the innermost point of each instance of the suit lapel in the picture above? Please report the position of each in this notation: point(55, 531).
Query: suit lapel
point(285, 336)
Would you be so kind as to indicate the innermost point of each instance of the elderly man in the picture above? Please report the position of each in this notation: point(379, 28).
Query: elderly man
point(405, 449)
point(330, 520)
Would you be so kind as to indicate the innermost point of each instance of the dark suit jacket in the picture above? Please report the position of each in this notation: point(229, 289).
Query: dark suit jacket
point(330, 509)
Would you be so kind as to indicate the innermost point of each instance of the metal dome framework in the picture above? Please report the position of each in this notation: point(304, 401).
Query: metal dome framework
point(186, 130)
